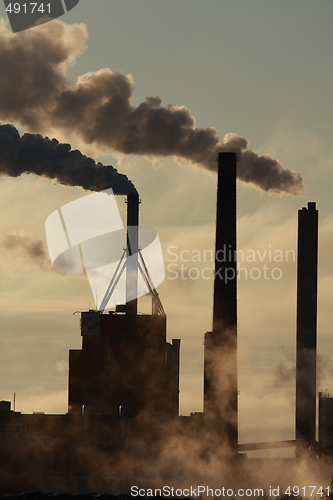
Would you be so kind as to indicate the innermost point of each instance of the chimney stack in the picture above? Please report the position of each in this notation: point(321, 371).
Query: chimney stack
point(133, 247)
point(307, 270)
point(220, 364)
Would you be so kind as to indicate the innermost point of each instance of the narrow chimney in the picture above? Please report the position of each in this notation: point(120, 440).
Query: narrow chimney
point(307, 270)
point(220, 377)
point(133, 246)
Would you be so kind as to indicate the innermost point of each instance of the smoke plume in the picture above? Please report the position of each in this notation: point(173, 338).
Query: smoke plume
point(35, 93)
point(39, 155)
point(23, 246)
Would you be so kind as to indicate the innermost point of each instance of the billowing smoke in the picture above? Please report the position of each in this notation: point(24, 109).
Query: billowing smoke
point(35, 93)
point(39, 155)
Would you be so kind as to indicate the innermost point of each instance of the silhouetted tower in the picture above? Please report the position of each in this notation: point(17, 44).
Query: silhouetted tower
point(307, 270)
point(220, 370)
point(133, 246)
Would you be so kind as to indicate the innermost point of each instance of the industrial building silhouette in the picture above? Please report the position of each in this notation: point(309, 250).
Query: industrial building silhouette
point(123, 389)
point(125, 366)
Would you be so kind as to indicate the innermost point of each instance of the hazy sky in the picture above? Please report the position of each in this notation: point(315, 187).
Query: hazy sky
point(259, 69)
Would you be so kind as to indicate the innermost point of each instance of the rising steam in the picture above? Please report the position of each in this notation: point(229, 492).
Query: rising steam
point(39, 155)
point(35, 93)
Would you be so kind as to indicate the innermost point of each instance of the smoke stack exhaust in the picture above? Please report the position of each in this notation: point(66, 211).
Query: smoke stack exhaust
point(133, 247)
point(307, 271)
point(220, 377)
point(225, 283)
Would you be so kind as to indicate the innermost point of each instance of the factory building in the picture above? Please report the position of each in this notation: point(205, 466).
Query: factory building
point(325, 424)
point(126, 365)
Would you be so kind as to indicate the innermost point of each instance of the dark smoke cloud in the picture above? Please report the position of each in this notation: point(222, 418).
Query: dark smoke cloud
point(34, 92)
point(39, 155)
point(24, 247)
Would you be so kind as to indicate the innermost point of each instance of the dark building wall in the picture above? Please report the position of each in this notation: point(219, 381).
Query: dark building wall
point(38, 448)
point(325, 424)
point(124, 362)
point(307, 265)
point(172, 365)
point(220, 363)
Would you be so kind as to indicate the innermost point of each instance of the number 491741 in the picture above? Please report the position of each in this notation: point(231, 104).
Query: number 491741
point(296, 491)
point(29, 8)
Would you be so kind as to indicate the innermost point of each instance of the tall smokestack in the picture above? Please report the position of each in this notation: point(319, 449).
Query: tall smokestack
point(133, 247)
point(307, 271)
point(220, 378)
